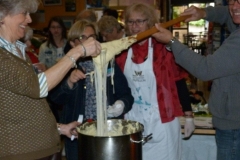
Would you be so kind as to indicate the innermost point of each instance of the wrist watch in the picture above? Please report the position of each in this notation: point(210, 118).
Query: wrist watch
point(169, 44)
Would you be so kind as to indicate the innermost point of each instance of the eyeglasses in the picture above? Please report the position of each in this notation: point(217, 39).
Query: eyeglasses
point(231, 2)
point(138, 22)
point(84, 38)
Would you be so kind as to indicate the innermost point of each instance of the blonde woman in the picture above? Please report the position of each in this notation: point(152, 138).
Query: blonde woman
point(77, 93)
point(154, 79)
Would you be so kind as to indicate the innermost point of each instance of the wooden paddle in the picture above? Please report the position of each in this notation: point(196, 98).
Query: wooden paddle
point(149, 32)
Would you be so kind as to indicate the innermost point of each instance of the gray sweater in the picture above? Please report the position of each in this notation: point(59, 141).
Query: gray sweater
point(222, 67)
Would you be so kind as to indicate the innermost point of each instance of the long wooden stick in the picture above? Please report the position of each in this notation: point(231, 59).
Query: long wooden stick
point(153, 30)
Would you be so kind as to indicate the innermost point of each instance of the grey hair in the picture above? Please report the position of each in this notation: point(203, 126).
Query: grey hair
point(108, 23)
point(12, 7)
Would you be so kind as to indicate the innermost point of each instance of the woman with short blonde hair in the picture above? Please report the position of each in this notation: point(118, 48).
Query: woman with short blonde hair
point(79, 26)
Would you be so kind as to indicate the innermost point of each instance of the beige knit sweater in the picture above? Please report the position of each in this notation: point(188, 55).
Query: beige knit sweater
point(27, 125)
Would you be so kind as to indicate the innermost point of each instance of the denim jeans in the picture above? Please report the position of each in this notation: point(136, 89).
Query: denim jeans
point(228, 144)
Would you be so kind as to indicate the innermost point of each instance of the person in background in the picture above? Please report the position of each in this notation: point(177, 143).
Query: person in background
point(78, 94)
point(110, 29)
point(87, 14)
point(51, 51)
point(157, 85)
point(110, 12)
point(222, 67)
point(113, 13)
point(31, 51)
point(28, 128)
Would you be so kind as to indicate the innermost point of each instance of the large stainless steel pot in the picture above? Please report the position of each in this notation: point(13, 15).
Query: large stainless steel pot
point(127, 146)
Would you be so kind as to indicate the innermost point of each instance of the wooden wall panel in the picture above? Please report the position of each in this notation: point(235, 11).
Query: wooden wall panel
point(56, 10)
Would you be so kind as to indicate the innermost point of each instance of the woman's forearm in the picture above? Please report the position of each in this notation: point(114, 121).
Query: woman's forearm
point(56, 73)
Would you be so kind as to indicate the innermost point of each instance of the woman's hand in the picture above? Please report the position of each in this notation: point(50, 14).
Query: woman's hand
point(56, 73)
point(40, 67)
point(196, 13)
point(163, 36)
point(69, 129)
point(91, 51)
point(75, 76)
point(91, 46)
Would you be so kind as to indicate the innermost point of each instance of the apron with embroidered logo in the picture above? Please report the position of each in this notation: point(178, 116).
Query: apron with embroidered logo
point(165, 142)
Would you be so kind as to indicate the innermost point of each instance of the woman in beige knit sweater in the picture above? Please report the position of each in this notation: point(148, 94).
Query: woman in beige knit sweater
point(28, 129)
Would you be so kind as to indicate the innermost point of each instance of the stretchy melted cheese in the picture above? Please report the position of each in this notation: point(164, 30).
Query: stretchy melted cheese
point(109, 50)
point(115, 47)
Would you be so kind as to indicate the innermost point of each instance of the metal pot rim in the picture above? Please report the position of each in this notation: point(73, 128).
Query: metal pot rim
point(111, 123)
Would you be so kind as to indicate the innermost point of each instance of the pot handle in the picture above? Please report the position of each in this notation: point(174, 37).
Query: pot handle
point(144, 140)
